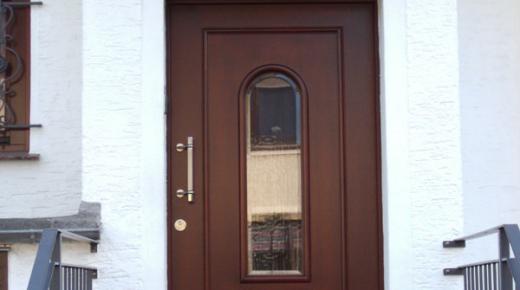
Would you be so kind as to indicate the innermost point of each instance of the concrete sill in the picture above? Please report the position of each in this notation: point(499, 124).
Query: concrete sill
point(10, 156)
point(87, 223)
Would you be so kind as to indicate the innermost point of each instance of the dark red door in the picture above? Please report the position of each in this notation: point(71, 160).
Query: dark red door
point(280, 187)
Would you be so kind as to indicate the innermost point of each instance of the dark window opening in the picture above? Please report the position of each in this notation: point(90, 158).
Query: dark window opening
point(14, 72)
point(275, 109)
point(3, 269)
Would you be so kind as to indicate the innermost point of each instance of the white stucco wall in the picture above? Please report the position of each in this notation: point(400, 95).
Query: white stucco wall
point(98, 88)
point(489, 46)
point(52, 185)
point(124, 151)
point(421, 134)
point(119, 115)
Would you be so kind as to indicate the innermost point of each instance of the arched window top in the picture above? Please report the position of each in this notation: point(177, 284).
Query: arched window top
point(274, 112)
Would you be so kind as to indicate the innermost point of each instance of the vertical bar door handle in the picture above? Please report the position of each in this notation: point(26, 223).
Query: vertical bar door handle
point(189, 192)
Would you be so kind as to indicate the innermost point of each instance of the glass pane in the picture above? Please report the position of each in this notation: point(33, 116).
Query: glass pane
point(274, 181)
point(2, 113)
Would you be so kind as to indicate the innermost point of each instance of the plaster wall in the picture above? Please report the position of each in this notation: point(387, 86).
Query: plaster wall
point(122, 142)
point(421, 142)
point(124, 135)
point(52, 185)
point(98, 86)
point(489, 48)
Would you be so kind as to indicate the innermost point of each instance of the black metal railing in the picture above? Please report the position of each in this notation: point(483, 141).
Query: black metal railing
point(49, 273)
point(500, 274)
point(77, 278)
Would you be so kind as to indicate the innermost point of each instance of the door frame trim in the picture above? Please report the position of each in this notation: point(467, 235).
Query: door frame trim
point(171, 144)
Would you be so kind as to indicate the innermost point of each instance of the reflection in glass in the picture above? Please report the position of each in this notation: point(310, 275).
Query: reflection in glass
point(274, 182)
point(2, 113)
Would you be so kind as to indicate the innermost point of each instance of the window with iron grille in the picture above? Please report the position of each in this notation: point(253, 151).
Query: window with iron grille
point(14, 75)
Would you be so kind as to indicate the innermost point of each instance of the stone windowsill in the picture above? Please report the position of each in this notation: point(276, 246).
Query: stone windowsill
point(10, 156)
point(86, 223)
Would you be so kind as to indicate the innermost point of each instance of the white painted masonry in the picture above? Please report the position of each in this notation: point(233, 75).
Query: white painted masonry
point(434, 138)
point(421, 151)
point(451, 154)
point(489, 37)
point(51, 186)
point(102, 80)
point(124, 134)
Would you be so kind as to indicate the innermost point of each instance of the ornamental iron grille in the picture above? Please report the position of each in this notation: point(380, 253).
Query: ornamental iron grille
point(11, 69)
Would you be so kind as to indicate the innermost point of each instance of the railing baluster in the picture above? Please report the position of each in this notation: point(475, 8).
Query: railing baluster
point(65, 278)
point(481, 278)
point(466, 279)
point(489, 276)
point(488, 279)
point(475, 277)
point(89, 284)
point(472, 269)
point(495, 276)
point(81, 271)
point(484, 277)
point(469, 278)
point(493, 279)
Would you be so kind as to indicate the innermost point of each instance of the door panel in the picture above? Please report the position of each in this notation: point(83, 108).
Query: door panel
point(282, 210)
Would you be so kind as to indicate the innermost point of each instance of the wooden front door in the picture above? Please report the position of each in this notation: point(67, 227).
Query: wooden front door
point(280, 188)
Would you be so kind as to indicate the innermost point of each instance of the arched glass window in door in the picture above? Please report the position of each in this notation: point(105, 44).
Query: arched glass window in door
point(274, 176)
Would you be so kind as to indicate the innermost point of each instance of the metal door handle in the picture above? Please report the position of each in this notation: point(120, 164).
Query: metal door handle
point(189, 150)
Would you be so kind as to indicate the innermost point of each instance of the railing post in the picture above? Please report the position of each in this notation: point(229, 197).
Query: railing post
point(44, 265)
point(506, 279)
point(56, 257)
point(91, 276)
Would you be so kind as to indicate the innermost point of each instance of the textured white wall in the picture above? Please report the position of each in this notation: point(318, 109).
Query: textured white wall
point(434, 139)
point(106, 79)
point(421, 131)
point(123, 142)
point(124, 151)
point(52, 185)
point(489, 45)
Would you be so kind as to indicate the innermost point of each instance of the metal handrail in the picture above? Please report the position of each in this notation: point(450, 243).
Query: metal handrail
point(508, 267)
point(48, 271)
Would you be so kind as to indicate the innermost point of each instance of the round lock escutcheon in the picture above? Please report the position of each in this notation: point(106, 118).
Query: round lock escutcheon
point(180, 225)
